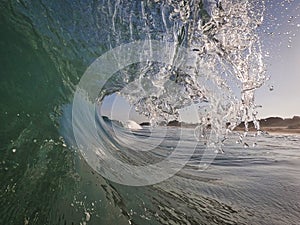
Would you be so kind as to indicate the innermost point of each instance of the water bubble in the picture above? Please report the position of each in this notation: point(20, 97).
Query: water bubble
point(14, 150)
point(271, 88)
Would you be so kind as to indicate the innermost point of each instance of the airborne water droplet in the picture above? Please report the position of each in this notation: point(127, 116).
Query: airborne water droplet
point(87, 216)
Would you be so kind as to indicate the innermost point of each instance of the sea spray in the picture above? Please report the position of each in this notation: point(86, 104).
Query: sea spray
point(223, 43)
point(207, 57)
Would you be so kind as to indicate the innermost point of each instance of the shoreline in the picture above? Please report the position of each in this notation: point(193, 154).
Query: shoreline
point(273, 130)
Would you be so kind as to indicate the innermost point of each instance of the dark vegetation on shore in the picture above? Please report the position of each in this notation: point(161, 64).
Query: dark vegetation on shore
point(271, 124)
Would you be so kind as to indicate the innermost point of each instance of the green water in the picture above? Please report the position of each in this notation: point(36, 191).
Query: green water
point(35, 176)
point(42, 181)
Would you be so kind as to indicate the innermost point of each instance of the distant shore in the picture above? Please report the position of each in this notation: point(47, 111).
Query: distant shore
point(271, 125)
point(276, 125)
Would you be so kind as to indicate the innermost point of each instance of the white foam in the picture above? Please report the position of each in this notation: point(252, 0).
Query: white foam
point(133, 125)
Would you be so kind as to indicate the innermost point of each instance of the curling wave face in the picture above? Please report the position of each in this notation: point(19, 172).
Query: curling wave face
point(208, 55)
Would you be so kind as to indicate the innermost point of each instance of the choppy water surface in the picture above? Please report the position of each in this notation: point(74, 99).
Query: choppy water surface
point(45, 47)
point(257, 185)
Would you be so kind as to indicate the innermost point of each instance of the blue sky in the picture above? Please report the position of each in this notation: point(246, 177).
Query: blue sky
point(283, 64)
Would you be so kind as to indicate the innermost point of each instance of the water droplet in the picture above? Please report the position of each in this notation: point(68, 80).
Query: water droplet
point(26, 221)
point(221, 150)
point(14, 150)
point(87, 216)
point(267, 54)
point(298, 25)
point(34, 140)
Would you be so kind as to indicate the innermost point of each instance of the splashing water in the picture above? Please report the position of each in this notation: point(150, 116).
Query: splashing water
point(206, 55)
point(227, 65)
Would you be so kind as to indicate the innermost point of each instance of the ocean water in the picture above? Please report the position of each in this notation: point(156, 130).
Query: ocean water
point(45, 176)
